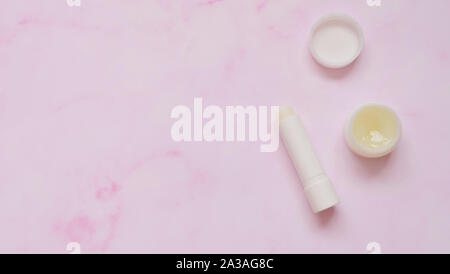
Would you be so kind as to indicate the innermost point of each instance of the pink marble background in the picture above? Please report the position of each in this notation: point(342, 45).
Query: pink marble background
point(85, 147)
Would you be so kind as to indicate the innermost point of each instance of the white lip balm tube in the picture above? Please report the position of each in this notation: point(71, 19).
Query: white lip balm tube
point(318, 188)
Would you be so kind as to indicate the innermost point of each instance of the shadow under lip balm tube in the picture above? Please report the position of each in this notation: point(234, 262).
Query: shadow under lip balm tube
point(317, 186)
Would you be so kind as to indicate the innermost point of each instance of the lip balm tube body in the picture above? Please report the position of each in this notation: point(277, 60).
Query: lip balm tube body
point(317, 186)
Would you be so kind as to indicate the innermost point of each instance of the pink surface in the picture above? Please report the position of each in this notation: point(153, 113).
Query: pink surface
point(86, 153)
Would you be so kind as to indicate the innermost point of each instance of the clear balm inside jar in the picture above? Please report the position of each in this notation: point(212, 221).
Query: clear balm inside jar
point(373, 130)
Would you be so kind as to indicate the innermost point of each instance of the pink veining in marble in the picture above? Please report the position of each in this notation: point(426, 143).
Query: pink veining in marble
point(85, 147)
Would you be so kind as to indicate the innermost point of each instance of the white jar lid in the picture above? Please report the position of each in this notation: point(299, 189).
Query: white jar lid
point(336, 40)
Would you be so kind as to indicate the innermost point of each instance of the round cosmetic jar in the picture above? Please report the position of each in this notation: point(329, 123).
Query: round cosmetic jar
point(373, 130)
point(336, 40)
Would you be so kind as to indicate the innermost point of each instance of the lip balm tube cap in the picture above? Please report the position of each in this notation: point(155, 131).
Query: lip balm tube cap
point(321, 194)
